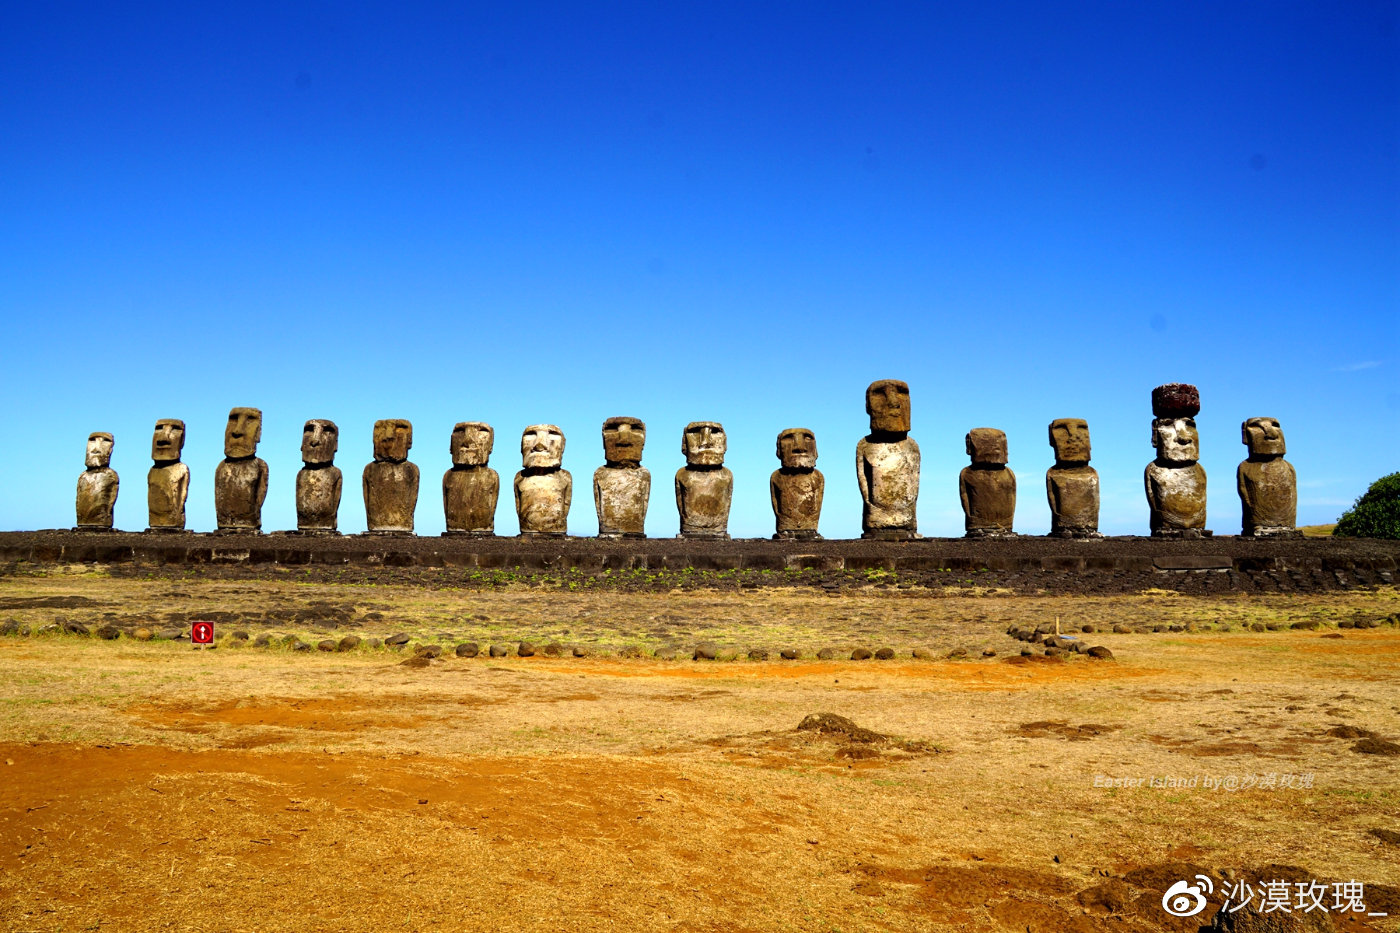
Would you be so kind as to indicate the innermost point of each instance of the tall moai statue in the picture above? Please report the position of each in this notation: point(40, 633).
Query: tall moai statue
point(168, 482)
point(319, 480)
point(240, 481)
point(391, 482)
point(987, 487)
point(1071, 485)
point(797, 486)
point(544, 490)
point(471, 489)
point(97, 486)
point(622, 486)
point(704, 486)
point(887, 465)
point(1267, 484)
point(1175, 482)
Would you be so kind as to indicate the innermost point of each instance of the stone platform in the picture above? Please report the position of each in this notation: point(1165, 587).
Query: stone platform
point(1362, 561)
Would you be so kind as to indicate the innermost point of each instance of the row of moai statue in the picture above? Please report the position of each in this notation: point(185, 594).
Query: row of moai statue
point(887, 471)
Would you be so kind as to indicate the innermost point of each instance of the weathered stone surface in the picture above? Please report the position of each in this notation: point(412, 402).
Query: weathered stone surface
point(319, 482)
point(796, 488)
point(1267, 483)
point(168, 482)
point(704, 486)
point(1175, 482)
point(987, 487)
point(1071, 485)
point(543, 489)
point(390, 483)
point(240, 481)
point(471, 489)
point(887, 465)
point(97, 486)
point(622, 486)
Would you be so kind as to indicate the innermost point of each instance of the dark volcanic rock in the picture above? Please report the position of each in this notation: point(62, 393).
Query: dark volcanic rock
point(326, 644)
point(428, 651)
point(789, 654)
point(76, 628)
point(861, 654)
point(467, 649)
point(500, 651)
point(1100, 653)
point(395, 640)
point(525, 650)
point(826, 654)
point(706, 651)
point(108, 633)
point(758, 654)
point(884, 654)
point(348, 643)
point(833, 724)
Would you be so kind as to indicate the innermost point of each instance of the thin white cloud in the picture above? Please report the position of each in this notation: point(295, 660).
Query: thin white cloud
point(1357, 367)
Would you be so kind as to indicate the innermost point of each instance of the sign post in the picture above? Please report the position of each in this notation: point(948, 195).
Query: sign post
point(202, 634)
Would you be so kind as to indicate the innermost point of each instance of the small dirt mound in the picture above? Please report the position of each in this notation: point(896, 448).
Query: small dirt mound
point(1388, 836)
point(1349, 732)
point(1082, 733)
point(832, 724)
point(1375, 746)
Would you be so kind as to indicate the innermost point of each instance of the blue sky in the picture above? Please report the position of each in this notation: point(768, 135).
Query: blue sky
point(523, 213)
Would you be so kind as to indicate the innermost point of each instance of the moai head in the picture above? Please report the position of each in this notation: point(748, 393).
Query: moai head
point(887, 404)
point(987, 446)
point(797, 449)
point(623, 439)
point(168, 441)
point(471, 443)
point(1174, 407)
point(319, 441)
point(1264, 437)
point(242, 433)
point(99, 450)
point(542, 447)
point(1070, 438)
point(393, 438)
point(704, 443)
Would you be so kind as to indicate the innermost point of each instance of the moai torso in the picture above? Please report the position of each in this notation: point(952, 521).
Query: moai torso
point(621, 496)
point(390, 482)
point(1267, 484)
point(97, 486)
point(1071, 485)
point(240, 486)
point(703, 495)
point(318, 497)
point(469, 497)
point(544, 490)
point(1175, 482)
point(622, 486)
point(168, 482)
point(887, 464)
point(796, 487)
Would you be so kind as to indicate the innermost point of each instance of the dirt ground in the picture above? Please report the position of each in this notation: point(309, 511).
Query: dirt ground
point(149, 786)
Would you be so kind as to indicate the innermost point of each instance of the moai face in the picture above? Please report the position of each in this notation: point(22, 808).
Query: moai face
point(1176, 440)
point(797, 449)
point(887, 404)
point(242, 433)
point(471, 443)
point(99, 450)
point(623, 440)
point(542, 447)
point(987, 446)
point(704, 443)
point(393, 438)
point(319, 441)
point(168, 441)
point(1070, 438)
point(1264, 437)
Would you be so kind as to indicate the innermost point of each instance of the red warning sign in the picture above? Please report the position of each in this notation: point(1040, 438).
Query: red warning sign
point(202, 633)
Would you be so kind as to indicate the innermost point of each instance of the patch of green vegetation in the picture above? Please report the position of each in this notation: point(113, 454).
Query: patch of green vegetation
point(1376, 513)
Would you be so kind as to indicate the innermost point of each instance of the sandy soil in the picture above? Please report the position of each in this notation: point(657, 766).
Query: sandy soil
point(148, 786)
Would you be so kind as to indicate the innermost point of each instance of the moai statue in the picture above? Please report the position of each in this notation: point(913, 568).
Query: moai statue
point(471, 488)
point(391, 482)
point(319, 480)
point(796, 488)
point(704, 486)
point(1267, 484)
point(168, 483)
point(1175, 482)
point(240, 481)
point(544, 490)
point(1071, 485)
point(988, 487)
point(887, 465)
point(97, 486)
point(622, 486)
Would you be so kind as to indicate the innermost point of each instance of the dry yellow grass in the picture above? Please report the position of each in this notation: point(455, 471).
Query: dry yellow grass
point(149, 786)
